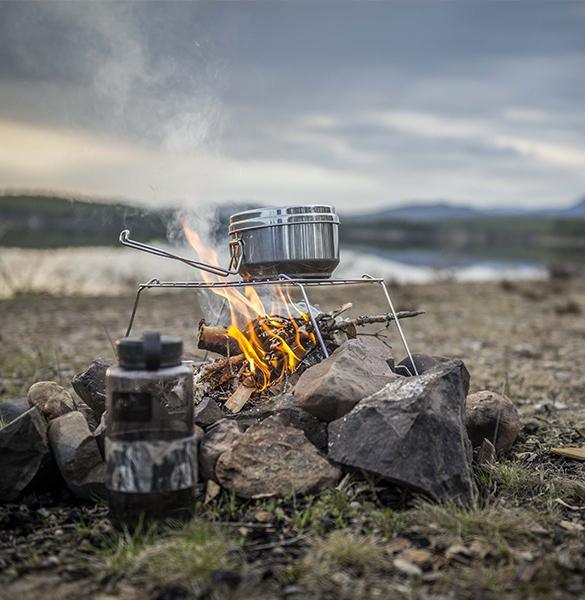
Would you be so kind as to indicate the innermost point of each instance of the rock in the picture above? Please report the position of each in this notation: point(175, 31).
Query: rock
point(12, 408)
point(412, 433)
point(90, 385)
point(24, 452)
point(99, 434)
point(216, 441)
point(288, 414)
point(52, 399)
point(486, 453)
point(331, 388)
point(273, 460)
point(207, 412)
point(78, 456)
point(487, 412)
point(87, 412)
point(422, 362)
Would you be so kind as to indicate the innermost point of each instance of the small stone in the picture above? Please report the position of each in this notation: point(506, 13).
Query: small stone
point(270, 461)
point(412, 433)
point(486, 453)
point(52, 399)
point(488, 413)
point(216, 441)
point(24, 452)
point(407, 568)
point(263, 516)
point(78, 456)
point(331, 388)
point(90, 385)
point(207, 412)
point(12, 408)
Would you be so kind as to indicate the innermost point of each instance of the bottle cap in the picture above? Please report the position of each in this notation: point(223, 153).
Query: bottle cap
point(152, 351)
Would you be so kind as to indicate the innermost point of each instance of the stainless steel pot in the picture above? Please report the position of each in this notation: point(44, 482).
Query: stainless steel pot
point(301, 242)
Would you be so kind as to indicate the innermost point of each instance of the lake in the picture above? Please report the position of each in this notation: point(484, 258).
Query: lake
point(114, 271)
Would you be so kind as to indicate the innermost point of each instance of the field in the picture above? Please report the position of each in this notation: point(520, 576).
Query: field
point(525, 537)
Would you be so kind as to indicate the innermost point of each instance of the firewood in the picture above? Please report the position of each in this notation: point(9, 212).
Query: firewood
point(236, 401)
point(214, 338)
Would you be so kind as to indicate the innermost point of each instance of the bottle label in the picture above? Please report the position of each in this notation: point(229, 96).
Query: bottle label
point(151, 466)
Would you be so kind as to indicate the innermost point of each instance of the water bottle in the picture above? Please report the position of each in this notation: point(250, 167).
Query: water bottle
point(151, 461)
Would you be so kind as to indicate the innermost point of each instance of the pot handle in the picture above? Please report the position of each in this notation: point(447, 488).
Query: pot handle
point(236, 252)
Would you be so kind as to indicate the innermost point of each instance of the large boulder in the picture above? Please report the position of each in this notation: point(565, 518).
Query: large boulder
point(90, 385)
point(331, 388)
point(274, 460)
point(24, 452)
point(422, 362)
point(12, 408)
point(412, 432)
point(52, 399)
point(217, 440)
point(492, 416)
point(77, 455)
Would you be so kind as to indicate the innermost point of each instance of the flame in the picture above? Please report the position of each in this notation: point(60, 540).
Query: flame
point(259, 333)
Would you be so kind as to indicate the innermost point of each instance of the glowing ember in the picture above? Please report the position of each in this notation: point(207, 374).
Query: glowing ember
point(273, 344)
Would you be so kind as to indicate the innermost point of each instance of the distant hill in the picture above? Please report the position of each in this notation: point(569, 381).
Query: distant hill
point(442, 210)
point(49, 221)
point(429, 211)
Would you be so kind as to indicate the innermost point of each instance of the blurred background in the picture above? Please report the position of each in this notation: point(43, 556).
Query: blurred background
point(449, 135)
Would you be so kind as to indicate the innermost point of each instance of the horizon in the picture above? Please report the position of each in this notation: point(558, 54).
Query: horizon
point(192, 104)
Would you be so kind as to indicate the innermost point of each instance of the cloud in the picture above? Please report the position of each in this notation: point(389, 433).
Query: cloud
point(359, 106)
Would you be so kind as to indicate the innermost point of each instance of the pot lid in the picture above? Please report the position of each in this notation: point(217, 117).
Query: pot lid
point(288, 215)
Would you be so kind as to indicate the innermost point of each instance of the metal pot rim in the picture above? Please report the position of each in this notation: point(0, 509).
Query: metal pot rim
point(282, 216)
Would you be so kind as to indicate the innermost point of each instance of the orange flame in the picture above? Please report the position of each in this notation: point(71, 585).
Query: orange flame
point(269, 355)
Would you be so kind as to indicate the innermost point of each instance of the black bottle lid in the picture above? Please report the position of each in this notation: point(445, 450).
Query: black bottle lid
point(152, 351)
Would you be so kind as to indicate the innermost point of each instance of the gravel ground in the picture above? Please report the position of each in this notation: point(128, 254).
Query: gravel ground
point(526, 339)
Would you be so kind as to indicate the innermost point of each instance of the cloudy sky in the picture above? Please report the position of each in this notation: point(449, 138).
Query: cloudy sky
point(362, 105)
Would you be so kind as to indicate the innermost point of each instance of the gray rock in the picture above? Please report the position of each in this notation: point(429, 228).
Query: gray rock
point(90, 385)
point(488, 413)
point(52, 399)
point(333, 387)
point(216, 441)
point(99, 434)
point(287, 413)
point(12, 408)
point(87, 412)
point(207, 412)
point(272, 460)
point(412, 432)
point(24, 451)
point(423, 362)
point(78, 456)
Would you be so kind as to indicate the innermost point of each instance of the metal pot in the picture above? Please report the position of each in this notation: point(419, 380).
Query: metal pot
point(301, 242)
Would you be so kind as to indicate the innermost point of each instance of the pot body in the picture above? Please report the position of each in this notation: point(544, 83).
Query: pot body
point(299, 241)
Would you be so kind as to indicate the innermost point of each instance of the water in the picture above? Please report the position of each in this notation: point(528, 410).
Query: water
point(114, 271)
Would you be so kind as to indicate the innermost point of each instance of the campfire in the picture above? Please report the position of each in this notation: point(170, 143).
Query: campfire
point(266, 341)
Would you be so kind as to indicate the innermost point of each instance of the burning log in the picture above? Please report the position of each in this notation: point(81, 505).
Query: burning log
point(215, 339)
point(269, 348)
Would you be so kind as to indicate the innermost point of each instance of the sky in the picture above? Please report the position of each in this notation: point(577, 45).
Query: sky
point(363, 105)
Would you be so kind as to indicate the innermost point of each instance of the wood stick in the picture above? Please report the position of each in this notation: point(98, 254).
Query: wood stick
point(236, 401)
point(215, 339)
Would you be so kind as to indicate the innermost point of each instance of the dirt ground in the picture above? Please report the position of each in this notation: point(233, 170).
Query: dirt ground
point(525, 537)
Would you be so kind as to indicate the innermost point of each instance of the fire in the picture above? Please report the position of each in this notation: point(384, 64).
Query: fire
point(263, 336)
